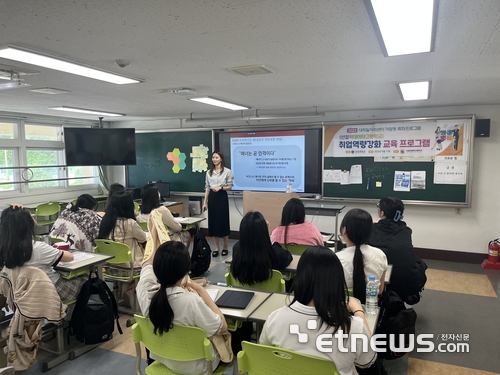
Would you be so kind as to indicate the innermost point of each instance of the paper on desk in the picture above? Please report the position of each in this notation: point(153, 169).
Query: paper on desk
point(212, 293)
point(78, 258)
point(181, 219)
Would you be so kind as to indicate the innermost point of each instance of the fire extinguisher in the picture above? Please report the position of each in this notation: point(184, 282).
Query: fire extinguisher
point(493, 250)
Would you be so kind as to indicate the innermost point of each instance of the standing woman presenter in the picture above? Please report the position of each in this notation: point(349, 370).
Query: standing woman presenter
point(219, 179)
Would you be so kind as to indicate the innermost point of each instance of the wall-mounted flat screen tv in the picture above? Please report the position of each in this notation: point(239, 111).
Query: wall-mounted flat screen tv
point(99, 146)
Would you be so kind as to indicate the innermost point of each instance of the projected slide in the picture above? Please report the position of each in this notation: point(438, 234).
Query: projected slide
point(268, 160)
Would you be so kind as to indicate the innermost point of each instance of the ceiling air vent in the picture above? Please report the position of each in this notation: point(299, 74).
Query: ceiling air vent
point(251, 70)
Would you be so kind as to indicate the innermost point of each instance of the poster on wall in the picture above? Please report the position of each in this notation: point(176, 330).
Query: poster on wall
point(425, 141)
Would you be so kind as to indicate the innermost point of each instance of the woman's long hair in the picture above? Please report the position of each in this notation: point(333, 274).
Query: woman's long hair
point(84, 201)
point(113, 189)
point(293, 212)
point(358, 225)
point(150, 198)
point(255, 259)
point(320, 278)
point(222, 164)
point(17, 229)
point(170, 264)
point(120, 208)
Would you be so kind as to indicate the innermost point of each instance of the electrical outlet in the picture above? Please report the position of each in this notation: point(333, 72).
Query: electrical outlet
point(458, 211)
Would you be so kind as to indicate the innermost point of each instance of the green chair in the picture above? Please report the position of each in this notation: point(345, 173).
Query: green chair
point(258, 359)
point(295, 249)
point(137, 207)
point(54, 240)
point(180, 343)
point(119, 276)
point(274, 284)
point(46, 210)
point(144, 226)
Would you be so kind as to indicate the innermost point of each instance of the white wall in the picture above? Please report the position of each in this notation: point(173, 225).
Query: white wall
point(433, 227)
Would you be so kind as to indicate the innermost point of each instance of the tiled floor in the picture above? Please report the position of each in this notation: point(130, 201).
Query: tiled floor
point(459, 299)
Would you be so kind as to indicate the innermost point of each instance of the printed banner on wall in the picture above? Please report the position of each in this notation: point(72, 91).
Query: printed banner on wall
point(431, 140)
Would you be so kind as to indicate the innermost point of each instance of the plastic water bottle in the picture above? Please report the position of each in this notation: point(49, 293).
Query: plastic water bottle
point(372, 295)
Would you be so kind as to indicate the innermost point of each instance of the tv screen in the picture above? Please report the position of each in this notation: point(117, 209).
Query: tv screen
point(270, 160)
point(99, 146)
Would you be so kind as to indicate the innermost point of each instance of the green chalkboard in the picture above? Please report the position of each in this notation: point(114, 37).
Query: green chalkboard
point(440, 147)
point(152, 163)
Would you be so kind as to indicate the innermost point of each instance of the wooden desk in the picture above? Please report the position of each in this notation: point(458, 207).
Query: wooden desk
point(241, 314)
point(177, 207)
point(95, 261)
point(184, 221)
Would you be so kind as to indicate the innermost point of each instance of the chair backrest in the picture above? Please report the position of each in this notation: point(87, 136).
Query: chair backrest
point(261, 359)
point(121, 251)
point(296, 249)
point(137, 207)
point(47, 209)
point(180, 343)
point(274, 284)
point(144, 226)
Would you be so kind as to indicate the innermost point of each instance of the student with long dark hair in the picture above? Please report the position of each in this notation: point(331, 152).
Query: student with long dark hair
point(17, 248)
point(150, 196)
point(294, 228)
point(320, 295)
point(119, 224)
point(79, 224)
point(391, 235)
point(162, 296)
point(218, 180)
point(255, 257)
point(113, 189)
point(359, 259)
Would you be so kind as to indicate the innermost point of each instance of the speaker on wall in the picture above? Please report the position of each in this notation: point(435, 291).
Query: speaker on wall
point(482, 128)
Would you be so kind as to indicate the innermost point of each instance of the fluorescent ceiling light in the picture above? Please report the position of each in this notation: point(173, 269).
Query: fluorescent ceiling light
point(89, 111)
point(405, 26)
point(51, 62)
point(13, 85)
point(415, 90)
point(219, 103)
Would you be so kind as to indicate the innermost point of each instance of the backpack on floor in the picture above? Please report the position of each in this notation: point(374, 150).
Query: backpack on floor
point(201, 256)
point(395, 319)
point(93, 319)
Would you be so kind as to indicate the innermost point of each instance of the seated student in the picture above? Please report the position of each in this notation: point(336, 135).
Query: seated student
point(393, 237)
point(254, 256)
point(359, 259)
point(320, 293)
point(150, 196)
point(17, 230)
point(293, 227)
point(119, 224)
point(162, 296)
point(113, 189)
point(79, 224)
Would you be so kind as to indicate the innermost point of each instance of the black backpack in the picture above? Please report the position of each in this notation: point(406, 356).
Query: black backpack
point(93, 320)
point(395, 319)
point(201, 256)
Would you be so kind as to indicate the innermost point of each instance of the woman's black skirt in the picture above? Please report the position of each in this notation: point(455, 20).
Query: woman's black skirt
point(218, 214)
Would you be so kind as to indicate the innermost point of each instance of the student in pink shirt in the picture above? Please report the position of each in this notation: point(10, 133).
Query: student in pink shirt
point(294, 229)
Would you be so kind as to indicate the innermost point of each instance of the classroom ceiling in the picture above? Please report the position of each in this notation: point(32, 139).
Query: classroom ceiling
point(323, 53)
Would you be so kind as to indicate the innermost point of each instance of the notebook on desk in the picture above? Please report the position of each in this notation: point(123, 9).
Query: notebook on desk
point(233, 299)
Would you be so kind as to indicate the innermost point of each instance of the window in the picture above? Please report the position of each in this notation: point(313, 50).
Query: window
point(39, 148)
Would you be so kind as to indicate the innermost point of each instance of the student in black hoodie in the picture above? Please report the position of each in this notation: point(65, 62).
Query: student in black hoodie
point(393, 237)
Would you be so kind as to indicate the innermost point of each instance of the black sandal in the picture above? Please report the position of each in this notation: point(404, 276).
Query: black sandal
point(215, 253)
point(224, 252)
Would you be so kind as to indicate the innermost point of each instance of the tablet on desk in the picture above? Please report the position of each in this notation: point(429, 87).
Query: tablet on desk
point(233, 299)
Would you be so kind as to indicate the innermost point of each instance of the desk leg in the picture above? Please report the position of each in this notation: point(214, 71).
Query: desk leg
point(99, 271)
